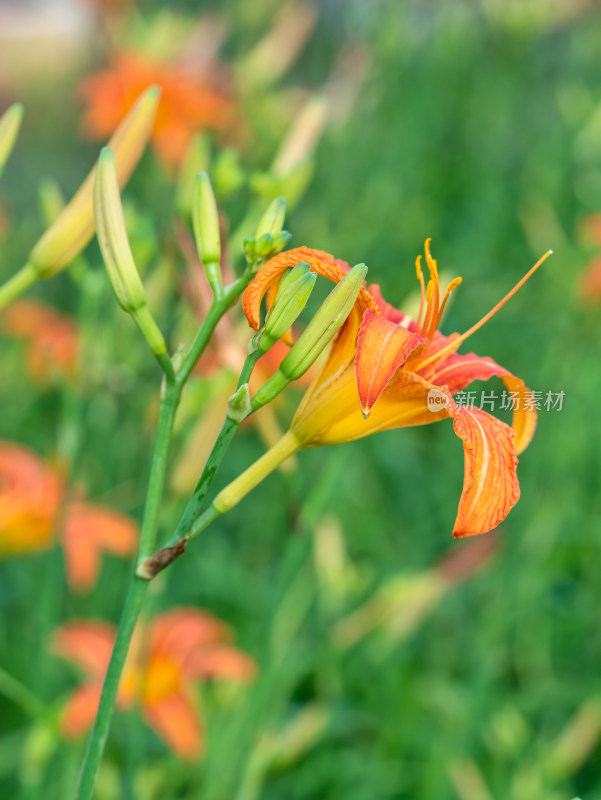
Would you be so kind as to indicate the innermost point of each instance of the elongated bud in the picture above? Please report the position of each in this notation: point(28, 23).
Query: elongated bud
point(74, 227)
point(293, 293)
point(317, 335)
point(272, 220)
point(116, 252)
point(112, 235)
point(326, 323)
point(10, 122)
point(205, 219)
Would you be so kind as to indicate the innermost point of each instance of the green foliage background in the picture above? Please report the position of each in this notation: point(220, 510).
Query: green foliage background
point(477, 124)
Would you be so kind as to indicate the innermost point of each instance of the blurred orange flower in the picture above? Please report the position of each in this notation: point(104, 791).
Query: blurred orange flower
point(32, 494)
point(386, 370)
point(590, 284)
point(51, 337)
point(166, 658)
point(188, 103)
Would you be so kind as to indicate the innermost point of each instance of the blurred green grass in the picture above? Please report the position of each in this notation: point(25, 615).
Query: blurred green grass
point(473, 127)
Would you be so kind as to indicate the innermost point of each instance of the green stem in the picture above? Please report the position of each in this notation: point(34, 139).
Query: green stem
point(214, 460)
point(16, 285)
point(135, 597)
point(219, 306)
point(246, 482)
point(138, 587)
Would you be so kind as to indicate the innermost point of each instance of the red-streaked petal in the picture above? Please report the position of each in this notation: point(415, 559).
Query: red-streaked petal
point(490, 484)
point(457, 371)
point(382, 347)
point(86, 643)
point(222, 661)
point(79, 713)
point(176, 720)
point(319, 261)
point(525, 416)
point(177, 633)
point(387, 310)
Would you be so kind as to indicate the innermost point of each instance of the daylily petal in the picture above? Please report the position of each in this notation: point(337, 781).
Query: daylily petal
point(457, 371)
point(86, 643)
point(89, 530)
point(222, 661)
point(339, 419)
point(387, 310)
point(319, 261)
point(176, 720)
point(177, 633)
point(79, 713)
point(30, 496)
point(82, 562)
point(490, 485)
point(382, 347)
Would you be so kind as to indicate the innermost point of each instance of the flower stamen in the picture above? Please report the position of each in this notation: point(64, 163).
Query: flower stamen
point(454, 345)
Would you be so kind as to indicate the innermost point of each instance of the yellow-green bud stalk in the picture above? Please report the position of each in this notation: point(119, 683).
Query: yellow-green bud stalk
point(10, 122)
point(75, 226)
point(205, 220)
point(272, 220)
point(291, 299)
point(116, 252)
point(327, 321)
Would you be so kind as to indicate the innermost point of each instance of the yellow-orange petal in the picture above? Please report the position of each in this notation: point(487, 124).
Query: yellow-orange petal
point(382, 347)
point(80, 710)
point(176, 633)
point(490, 484)
point(319, 261)
point(176, 720)
point(30, 496)
point(87, 643)
point(221, 661)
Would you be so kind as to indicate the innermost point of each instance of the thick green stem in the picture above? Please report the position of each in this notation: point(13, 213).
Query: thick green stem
point(135, 596)
point(16, 285)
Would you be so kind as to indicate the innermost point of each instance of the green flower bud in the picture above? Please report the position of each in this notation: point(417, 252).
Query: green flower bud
point(112, 235)
point(293, 293)
point(326, 323)
point(116, 252)
point(205, 219)
point(10, 122)
point(273, 219)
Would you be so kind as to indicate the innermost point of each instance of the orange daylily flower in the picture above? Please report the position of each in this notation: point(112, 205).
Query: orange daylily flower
point(188, 104)
point(51, 338)
point(32, 496)
point(167, 657)
point(386, 370)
